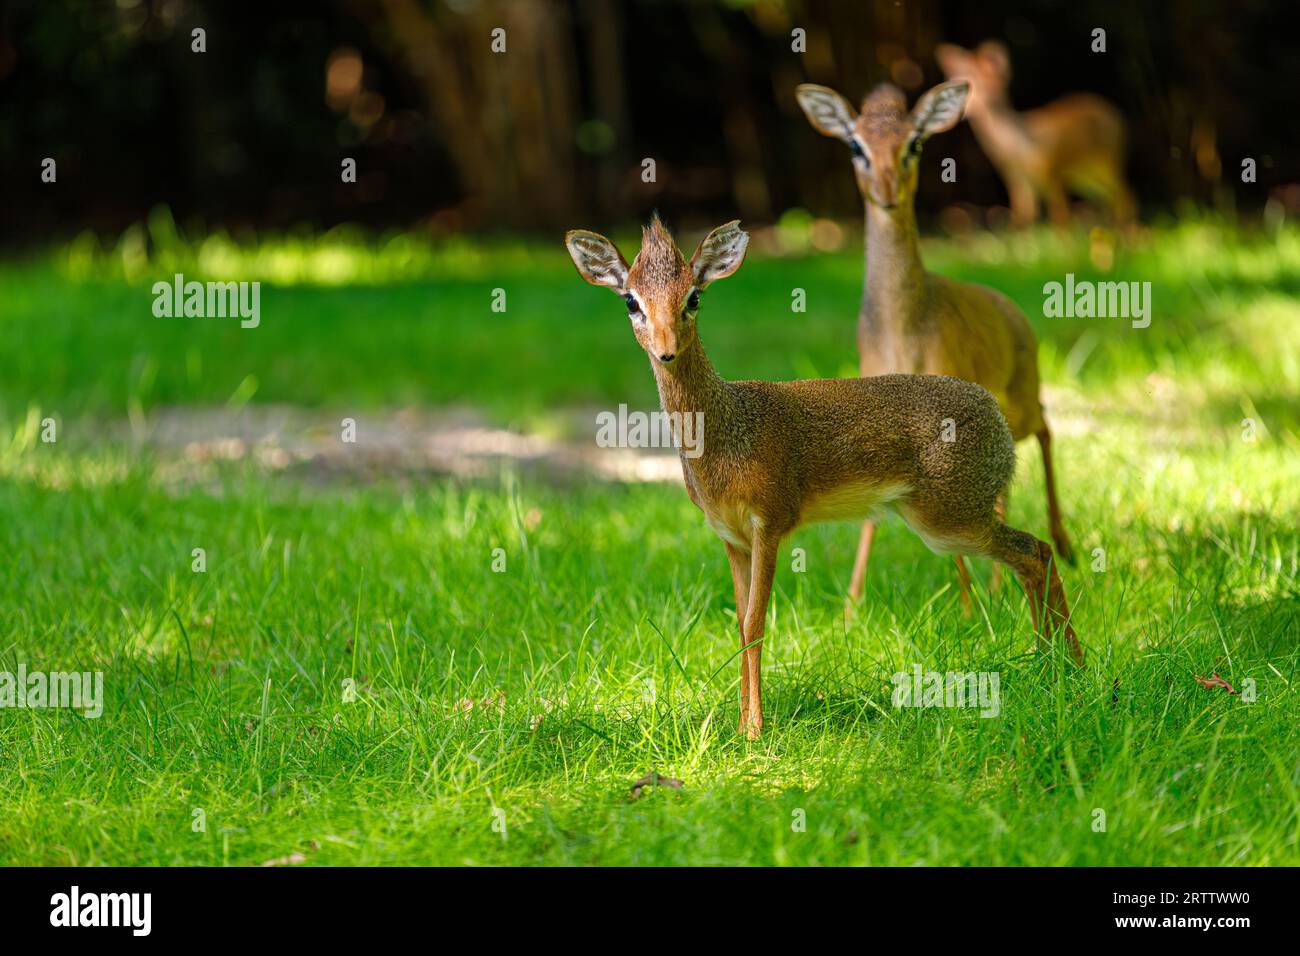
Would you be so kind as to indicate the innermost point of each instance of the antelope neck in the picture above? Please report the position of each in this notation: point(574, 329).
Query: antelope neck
point(895, 277)
point(690, 384)
point(990, 120)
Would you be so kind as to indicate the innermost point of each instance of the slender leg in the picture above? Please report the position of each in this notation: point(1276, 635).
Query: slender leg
point(1123, 209)
point(1059, 537)
point(999, 509)
point(860, 564)
point(1058, 205)
point(763, 569)
point(1024, 203)
point(963, 578)
point(740, 573)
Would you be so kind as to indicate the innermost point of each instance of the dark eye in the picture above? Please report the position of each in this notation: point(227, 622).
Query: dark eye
point(914, 148)
point(632, 307)
point(693, 301)
point(858, 152)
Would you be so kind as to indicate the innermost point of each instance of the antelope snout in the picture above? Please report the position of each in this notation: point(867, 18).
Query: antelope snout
point(886, 194)
point(663, 346)
point(884, 188)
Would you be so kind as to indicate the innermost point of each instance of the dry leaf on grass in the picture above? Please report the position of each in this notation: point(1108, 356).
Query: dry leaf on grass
point(653, 779)
point(291, 860)
point(1214, 680)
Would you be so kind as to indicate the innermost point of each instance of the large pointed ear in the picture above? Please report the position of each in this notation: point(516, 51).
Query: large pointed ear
point(829, 113)
point(720, 253)
point(598, 260)
point(995, 57)
point(954, 60)
point(940, 109)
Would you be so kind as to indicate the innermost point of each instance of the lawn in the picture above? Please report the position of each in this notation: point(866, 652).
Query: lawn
point(355, 677)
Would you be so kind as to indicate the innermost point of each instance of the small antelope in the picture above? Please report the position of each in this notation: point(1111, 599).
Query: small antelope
point(1073, 144)
point(777, 455)
point(914, 321)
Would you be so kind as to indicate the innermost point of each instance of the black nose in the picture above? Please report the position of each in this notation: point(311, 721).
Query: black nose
point(667, 357)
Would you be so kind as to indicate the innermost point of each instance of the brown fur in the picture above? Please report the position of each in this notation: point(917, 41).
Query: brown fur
point(912, 320)
point(1073, 144)
point(777, 455)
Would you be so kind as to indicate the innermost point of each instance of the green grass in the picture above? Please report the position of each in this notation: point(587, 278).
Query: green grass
point(606, 649)
point(396, 321)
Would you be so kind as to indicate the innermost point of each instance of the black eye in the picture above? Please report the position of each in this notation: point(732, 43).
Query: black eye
point(632, 307)
point(693, 301)
point(858, 152)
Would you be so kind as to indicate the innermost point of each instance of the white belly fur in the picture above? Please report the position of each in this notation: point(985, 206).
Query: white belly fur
point(856, 501)
point(734, 523)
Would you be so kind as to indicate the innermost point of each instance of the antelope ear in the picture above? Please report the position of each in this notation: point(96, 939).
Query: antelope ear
point(940, 109)
point(598, 260)
point(720, 253)
point(996, 57)
point(828, 112)
point(952, 59)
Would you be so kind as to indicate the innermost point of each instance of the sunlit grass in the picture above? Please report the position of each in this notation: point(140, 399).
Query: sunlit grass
point(605, 650)
point(383, 321)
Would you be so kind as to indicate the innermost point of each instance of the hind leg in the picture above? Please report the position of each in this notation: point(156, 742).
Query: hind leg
point(1119, 198)
point(932, 518)
point(1000, 509)
point(1123, 206)
point(1058, 205)
point(860, 565)
point(1059, 537)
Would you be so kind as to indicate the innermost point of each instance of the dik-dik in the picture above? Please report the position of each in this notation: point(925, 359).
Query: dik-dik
point(1073, 144)
point(777, 455)
point(912, 320)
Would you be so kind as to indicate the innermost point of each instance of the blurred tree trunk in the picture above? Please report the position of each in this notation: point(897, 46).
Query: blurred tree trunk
point(508, 119)
point(741, 118)
point(608, 85)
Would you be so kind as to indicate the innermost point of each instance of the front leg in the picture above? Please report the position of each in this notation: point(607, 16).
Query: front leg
point(740, 573)
point(762, 570)
point(1024, 201)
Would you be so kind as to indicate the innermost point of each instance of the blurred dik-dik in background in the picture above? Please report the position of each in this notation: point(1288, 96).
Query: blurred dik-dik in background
point(1074, 144)
point(563, 118)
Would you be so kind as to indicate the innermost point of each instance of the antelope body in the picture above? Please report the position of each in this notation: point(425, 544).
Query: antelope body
point(914, 321)
point(1073, 144)
point(777, 455)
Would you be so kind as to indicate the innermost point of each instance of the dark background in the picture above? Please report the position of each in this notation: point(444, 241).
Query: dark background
point(451, 137)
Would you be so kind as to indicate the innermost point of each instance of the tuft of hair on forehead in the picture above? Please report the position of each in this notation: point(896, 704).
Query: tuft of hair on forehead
point(659, 263)
point(884, 108)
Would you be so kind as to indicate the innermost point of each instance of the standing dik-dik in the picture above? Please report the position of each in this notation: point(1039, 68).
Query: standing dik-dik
point(914, 321)
point(776, 455)
point(1074, 144)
